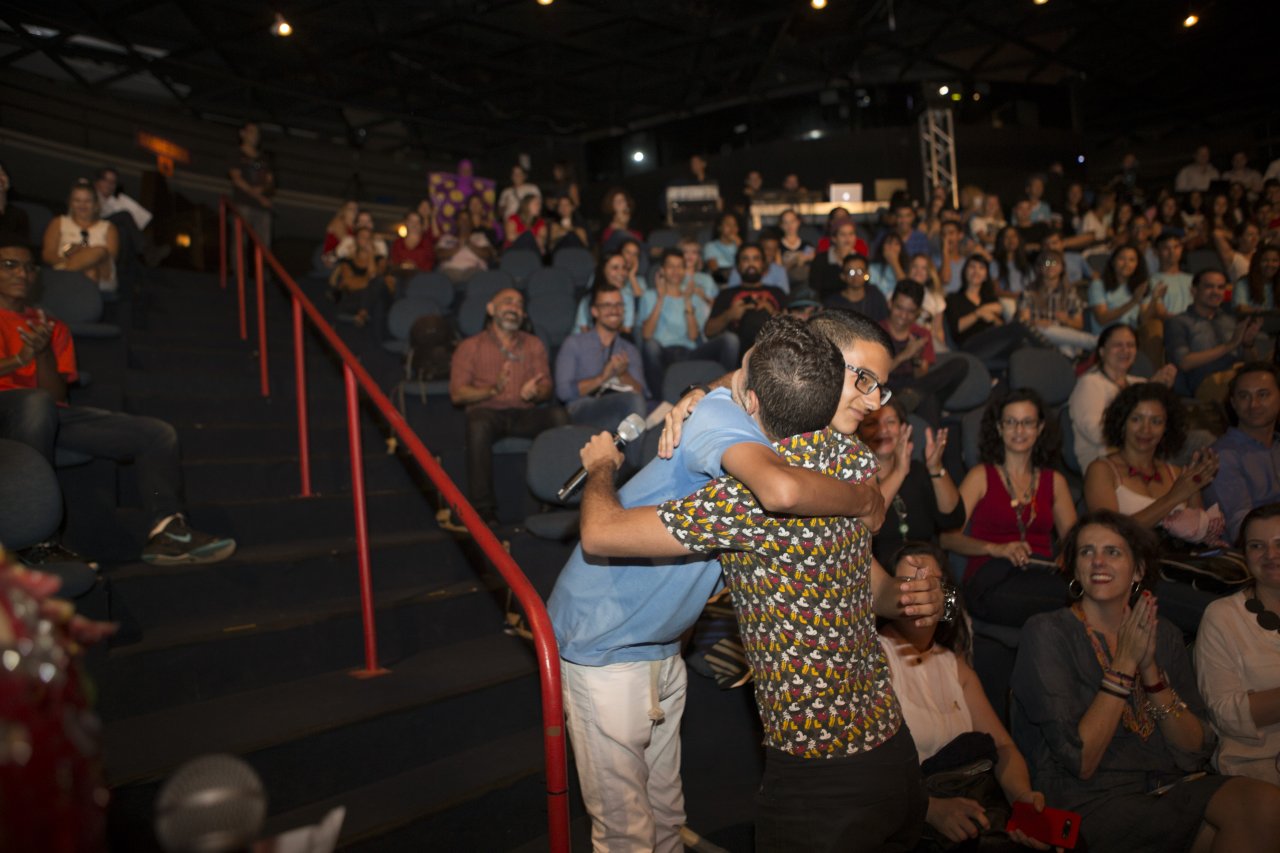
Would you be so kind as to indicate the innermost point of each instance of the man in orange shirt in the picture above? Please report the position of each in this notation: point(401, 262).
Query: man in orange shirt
point(37, 361)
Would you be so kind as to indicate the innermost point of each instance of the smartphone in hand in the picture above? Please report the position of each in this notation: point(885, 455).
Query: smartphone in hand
point(1055, 827)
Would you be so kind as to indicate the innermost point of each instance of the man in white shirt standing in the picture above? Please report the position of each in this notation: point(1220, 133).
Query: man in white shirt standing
point(1240, 173)
point(130, 218)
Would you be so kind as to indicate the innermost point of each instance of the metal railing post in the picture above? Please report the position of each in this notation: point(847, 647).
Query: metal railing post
point(239, 229)
point(262, 318)
point(371, 667)
point(222, 242)
point(300, 379)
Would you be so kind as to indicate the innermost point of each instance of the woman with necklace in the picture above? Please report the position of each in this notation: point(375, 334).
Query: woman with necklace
point(1108, 713)
point(1014, 501)
point(1147, 425)
point(920, 498)
point(952, 721)
point(1098, 386)
point(1238, 657)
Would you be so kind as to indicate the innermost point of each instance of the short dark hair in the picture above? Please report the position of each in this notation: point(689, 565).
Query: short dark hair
point(991, 446)
point(843, 328)
point(1198, 275)
point(854, 256)
point(797, 375)
point(953, 635)
point(1141, 540)
point(1258, 513)
point(672, 252)
point(1175, 416)
point(1166, 236)
point(737, 257)
point(1245, 369)
point(911, 289)
point(10, 240)
point(1105, 335)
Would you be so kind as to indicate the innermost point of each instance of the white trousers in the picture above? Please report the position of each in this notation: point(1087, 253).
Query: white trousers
point(628, 763)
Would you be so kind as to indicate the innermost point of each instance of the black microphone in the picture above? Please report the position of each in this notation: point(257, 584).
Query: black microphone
point(628, 431)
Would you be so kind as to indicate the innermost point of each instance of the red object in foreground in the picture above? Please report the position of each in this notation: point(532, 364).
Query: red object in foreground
point(355, 379)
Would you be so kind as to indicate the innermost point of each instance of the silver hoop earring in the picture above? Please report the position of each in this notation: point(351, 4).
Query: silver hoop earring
point(1133, 589)
point(1075, 588)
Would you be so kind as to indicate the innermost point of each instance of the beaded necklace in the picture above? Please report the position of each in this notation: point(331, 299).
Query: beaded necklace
point(1023, 518)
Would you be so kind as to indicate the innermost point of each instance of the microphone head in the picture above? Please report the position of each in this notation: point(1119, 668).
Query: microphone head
point(631, 428)
point(211, 804)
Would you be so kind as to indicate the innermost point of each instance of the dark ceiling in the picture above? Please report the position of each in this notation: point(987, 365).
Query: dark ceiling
point(446, 76)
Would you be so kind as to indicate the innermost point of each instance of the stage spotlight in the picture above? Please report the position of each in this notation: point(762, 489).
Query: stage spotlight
point(637, 157)
point(818, 4)
point(281, 27)
point(1191, 20)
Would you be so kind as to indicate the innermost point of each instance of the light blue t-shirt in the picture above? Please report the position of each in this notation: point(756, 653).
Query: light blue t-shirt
point(1099, 295)
point(1240, 297)
point(613, 611)
point(1177, 295)
point(672, 329)
point(884, 279)
point(724, 254)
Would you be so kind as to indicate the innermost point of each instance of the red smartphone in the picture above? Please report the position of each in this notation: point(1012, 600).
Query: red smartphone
point(1055, 827)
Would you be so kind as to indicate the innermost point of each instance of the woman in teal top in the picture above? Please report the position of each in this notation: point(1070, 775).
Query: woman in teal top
point(721, 254)
point(1122, 294)
point(1257, 290)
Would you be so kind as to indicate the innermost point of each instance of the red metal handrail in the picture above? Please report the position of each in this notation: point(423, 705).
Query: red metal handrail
point(355, 379)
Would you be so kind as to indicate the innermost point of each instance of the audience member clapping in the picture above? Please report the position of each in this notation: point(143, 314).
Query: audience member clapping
point(1257, 290)
point(720, 253)
point(566, 227)
point(975, 318)
point(919, 497)
point(618, 208)
point(415, 251)
point(611, 273)
point(1108, 714)
point(1123, 293)
point(672, 315)
point(340, 227)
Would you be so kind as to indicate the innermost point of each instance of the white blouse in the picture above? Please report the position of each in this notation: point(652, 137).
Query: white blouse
point(1235, 656)
point(69, 233)
point(928, 688)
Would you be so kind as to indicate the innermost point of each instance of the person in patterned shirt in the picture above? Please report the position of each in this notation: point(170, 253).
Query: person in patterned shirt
point(841, 770)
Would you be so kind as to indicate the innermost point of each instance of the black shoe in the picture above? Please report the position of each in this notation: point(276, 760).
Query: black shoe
point(177, 544)
point(52, 552)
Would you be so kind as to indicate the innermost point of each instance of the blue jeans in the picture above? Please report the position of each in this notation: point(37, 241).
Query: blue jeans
point(29, 415)
point(607, 410)
point(151, 444)
point(722, 348)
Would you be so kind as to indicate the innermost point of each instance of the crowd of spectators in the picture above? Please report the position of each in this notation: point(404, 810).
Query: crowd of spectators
point(1160, 300)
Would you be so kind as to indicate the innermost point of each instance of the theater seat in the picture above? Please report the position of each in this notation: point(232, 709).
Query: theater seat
point(552, 460)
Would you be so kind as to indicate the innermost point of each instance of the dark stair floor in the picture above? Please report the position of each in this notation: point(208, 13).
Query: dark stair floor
point(254, 656)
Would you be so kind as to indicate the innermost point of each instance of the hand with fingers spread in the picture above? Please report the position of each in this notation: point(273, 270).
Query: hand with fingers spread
point(903, 449)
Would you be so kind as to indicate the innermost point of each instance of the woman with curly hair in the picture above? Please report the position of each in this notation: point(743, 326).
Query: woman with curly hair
point(1014, 502)
point(1107, 711)
point(618, 208)
point(1147, 424)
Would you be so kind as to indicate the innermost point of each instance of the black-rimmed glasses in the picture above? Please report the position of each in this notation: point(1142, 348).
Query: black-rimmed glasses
point(867, 383)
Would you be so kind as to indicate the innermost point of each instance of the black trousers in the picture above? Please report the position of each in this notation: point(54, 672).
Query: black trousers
point(874, 801)
point(484, 427)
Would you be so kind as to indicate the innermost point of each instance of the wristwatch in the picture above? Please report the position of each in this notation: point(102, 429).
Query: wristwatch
point(950, 605)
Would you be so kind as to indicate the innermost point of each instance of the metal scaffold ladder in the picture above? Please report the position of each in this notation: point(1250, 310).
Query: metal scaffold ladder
point(938, 153)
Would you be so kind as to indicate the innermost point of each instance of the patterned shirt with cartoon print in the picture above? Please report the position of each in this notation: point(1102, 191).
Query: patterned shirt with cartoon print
point(802, 591)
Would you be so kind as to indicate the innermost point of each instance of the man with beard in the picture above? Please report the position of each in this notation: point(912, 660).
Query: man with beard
point(745, 308)
point(500, 375)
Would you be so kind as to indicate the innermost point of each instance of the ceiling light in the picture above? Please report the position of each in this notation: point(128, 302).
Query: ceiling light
point(1191, 20)
point(943, 90)
point(977, 96)
point(1039, 2)
point(818, 4)
point(545, 2)
point(281, 27)
point(955, 96)
point(637, 157)
point(1080, 158)
point(403, 230)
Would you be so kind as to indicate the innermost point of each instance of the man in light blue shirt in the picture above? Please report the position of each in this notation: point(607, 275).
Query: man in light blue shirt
point(599, 374)
point(672, 315)
point(1248, 453)
point(619, 622)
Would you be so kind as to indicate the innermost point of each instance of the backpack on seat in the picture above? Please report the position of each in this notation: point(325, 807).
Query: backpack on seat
point(431, 345)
